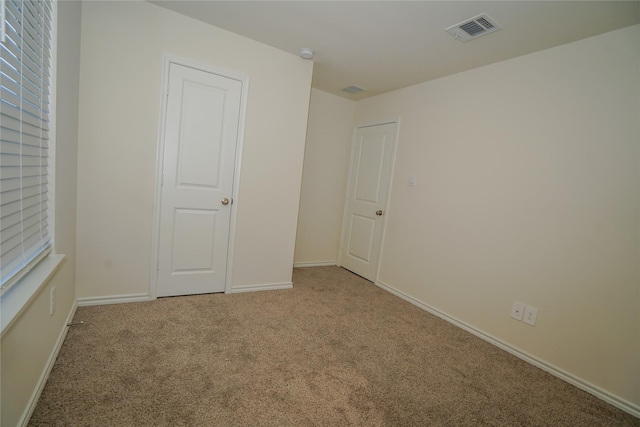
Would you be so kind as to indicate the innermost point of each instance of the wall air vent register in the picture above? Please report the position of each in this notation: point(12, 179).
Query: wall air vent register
point(473, 28)
point(353, 89)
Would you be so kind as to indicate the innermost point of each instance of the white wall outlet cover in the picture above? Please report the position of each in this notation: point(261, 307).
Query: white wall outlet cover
point(52, 301)
point(530, 314)
point(412, 181)
point(517, 310)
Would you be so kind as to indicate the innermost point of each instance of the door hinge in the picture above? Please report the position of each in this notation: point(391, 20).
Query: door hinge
point(162, 180)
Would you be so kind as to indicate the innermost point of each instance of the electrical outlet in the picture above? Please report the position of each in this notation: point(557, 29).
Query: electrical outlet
point(517, 310)
point(530, 314)
point(52, 301)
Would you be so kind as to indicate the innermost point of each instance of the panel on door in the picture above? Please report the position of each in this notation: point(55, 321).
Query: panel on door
point(200, 139)
point(370, 173)
point(363, 229)
point(194, 234)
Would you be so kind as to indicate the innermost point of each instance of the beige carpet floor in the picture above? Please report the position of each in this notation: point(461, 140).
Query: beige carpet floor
point(334, 351)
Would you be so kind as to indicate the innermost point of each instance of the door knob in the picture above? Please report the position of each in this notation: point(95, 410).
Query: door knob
point(379, 213)
point(225, 201)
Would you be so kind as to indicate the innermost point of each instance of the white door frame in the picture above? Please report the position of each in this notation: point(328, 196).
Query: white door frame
point(386, 201)
point(167, 60)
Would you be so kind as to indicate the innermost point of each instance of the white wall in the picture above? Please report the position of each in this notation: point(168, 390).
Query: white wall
point(121, 64)
point(527, 189)
point(324, 178)
point(30, 341)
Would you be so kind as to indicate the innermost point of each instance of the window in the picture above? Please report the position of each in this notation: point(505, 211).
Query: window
point(25, 88)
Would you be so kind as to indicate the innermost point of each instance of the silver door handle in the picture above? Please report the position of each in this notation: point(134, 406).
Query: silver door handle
point(379, 213)
point(225, 201)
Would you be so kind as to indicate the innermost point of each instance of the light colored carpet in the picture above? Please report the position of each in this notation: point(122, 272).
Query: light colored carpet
point(333, 351)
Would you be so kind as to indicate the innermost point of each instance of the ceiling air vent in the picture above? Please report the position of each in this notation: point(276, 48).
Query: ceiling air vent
point(353, 89)
point(474, 28)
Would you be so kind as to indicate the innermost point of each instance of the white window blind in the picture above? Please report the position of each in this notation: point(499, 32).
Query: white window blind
point(25, 73)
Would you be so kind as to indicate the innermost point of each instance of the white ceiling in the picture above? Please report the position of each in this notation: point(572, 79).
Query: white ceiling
point(386, 45)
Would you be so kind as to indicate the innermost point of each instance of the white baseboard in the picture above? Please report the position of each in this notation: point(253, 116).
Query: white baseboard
point(600, 393)
point(33, 400)
point(115, 299)
point(314, 264)
point(265, 287)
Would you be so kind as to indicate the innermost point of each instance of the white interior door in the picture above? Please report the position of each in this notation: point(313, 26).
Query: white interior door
point(200, 139)
point(369, 176)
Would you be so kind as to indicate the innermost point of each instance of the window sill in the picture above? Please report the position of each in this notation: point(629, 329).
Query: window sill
point(14, 302)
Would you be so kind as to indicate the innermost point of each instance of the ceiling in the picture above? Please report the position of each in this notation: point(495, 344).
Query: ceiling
point(386, 45)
